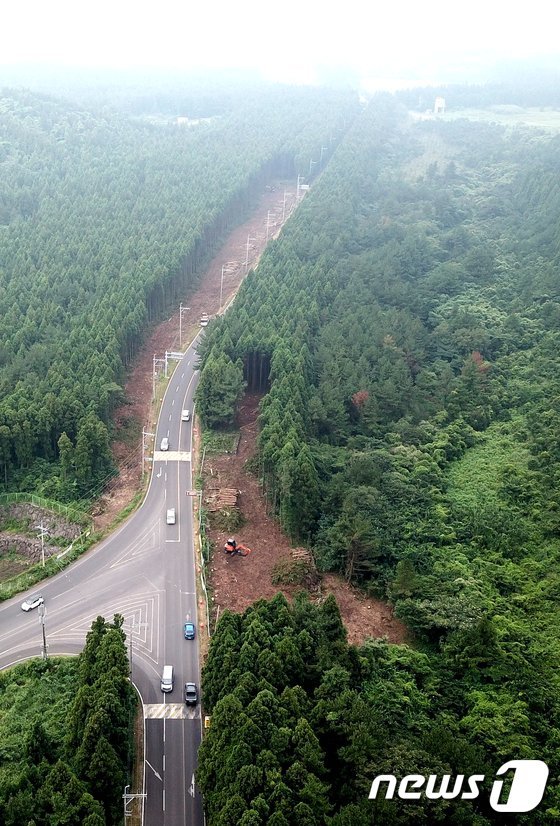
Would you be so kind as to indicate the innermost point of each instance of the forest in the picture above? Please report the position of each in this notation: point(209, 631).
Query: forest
point(66, 734)
point(404, 332)
point(105, 221)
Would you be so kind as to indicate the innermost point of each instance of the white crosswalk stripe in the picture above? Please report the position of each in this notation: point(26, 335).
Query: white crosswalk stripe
point(170, 711)
point(173, 711)
point(172, 456)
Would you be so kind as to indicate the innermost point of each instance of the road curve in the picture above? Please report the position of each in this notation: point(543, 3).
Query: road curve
point(145, 571)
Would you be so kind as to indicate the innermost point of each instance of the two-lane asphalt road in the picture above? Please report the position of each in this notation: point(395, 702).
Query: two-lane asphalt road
point(146, 572)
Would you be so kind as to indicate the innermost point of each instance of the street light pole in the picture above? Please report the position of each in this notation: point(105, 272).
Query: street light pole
point(130, 630)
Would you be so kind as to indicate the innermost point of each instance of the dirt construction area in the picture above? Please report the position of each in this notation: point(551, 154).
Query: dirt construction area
point(236, 581)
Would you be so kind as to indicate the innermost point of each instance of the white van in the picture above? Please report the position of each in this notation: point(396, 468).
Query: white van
point(167, 678)
point(170, 518)
point(185, 415)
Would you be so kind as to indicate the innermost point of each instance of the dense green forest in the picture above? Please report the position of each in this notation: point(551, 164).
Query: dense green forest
point(104, 223)
point(405, 329)
point(302, 723)
point(66, 735)
point(517, 84)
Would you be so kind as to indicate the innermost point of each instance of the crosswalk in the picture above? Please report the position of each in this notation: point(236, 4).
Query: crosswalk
point(172, 456)
point(170, 711)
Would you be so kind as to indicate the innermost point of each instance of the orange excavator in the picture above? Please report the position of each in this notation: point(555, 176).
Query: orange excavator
point(234, 548)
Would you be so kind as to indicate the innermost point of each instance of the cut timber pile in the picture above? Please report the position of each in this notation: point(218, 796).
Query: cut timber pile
point(217, 499)
point(304, 557)
point(302, 554)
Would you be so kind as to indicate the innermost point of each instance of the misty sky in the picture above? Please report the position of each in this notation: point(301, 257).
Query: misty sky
point(288, 40)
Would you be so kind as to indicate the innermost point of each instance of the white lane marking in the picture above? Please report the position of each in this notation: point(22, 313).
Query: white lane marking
point(170, 417)
point(177, 389)
point(172, 402)
point(159, 777)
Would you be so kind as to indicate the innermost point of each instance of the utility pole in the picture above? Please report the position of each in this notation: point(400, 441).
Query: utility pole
point(42, 535)
point(228, 268)
point(144, 434)
point(181, 311)
point(247, 251)
point(42, 615)
point(156, 361)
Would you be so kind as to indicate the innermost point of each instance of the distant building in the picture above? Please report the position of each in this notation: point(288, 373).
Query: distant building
point(439, 106)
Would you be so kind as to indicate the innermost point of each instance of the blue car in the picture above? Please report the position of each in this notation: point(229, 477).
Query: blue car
point(189, 631)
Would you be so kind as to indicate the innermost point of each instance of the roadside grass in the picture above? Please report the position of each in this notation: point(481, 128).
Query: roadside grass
point(220, 442)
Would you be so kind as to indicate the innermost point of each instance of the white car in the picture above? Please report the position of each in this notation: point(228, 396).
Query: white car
point(185, 415)
point(164, 443)
point(170, 518)
point(32, 602)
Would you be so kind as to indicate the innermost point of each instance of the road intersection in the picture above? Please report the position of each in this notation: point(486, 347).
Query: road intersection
point(145, 571)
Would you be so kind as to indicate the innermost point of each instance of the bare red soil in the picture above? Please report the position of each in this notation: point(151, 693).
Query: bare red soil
point(238, 581)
